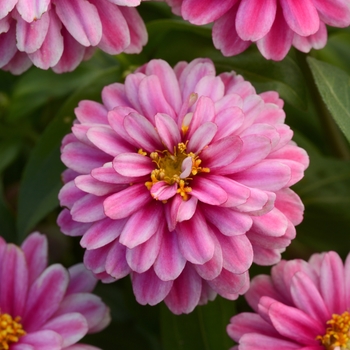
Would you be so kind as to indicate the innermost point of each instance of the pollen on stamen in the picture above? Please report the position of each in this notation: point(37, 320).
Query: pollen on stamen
point(173, 168)
point(10, 330)
point(338, 333)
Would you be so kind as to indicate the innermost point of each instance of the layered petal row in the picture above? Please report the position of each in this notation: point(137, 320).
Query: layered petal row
point(302, 305)
point(181, 178)
point(45, 307)
point(59, 34)
point(274, 25)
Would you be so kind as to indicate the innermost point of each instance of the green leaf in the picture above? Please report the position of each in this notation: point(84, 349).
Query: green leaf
point(41, 180)
point(9, 150)
point(334, 87)
point(37, 87)
point(7, 221)
point(202, 329)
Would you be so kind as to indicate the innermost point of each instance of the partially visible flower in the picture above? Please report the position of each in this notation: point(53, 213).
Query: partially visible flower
point(45, 307)
point(274, 25)
point(59, 34)
point(303, 305)
point(181, 178)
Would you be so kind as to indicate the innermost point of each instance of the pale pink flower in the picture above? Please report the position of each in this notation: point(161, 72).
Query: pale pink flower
point(61, 33)
point(274, 25)
point(45, 308)
point(181, 178)
point(302, 305)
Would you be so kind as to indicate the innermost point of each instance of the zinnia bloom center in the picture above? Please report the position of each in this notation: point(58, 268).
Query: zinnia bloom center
point(337, 335)
point(176, 167)
point(10, 330)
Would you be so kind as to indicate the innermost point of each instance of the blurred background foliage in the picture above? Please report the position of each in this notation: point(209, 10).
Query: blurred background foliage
point(37, 110)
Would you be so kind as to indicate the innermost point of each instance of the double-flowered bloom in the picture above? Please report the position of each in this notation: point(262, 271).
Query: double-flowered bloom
point(45, 308)
point(275, 25)
point(302, 305)
point(181, 178)
point(61, 33)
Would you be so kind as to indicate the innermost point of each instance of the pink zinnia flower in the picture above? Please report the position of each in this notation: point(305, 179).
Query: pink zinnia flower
point(181, 178)
point(45, 307)
point(274, 25)
point(61, 33)
point(303, 305)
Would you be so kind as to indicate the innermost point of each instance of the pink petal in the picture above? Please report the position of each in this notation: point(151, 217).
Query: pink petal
point(82, 158)
point(45, 296)
point(167, 130)
point(8, 46)
point(149, 289)
point(80, 280)
point(6, 7)
point(101, 233)
point(228, 221)
point(35, 249)
point(88, 209)
point(258, 23)
point(88, 184)
point(267, 175)
point(142, 225)
point(81, 20)
point(170, 262)
point(237, 253)
point(225, 37)
point(307, 297)
point(113, 95)
point(163, 191)
point(30, 36)
point(41, 340)
point(95, 259)
point(107, 141)
point(273, 223)
point(71, 327)
point(90, 306)
point(295, 324)
point(115, 38)
point(116, 264)
point(73, 54)
point(52, 48)
point(108, 175)
point(14, 281)
point(334, 13)
point(143, 132)
point(332, 273)
point(152, 99)
point(70, 227)
point(168, 82)
point(205, 11)
point(195, 241)
point(302, 17)
point(276, 44)
point(124, 203)
point(91, 112)
point(228, 121)
point(208, 191)
point(137, 30)
point(142, 257)
point(185, 292)
point(133, 164)
point(30, 10)
point(215, 156)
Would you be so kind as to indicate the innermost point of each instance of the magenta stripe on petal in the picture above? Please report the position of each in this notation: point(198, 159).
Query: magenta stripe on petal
point(141, 225)
point(124, 203)
point(133, 164)
point(170, 262)
point(195, 242)
point(45, 296)
point(208, 191)
point(149, 289)
point(185, 292)
point(88, 209)
point(81, 20)
point(116, 264)
point(167, 130)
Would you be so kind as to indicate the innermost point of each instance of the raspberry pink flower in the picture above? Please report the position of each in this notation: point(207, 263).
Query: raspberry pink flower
point(45, 307)
point(274, 25)
point(181, 178)
point(303, 305)
point(61, 33)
